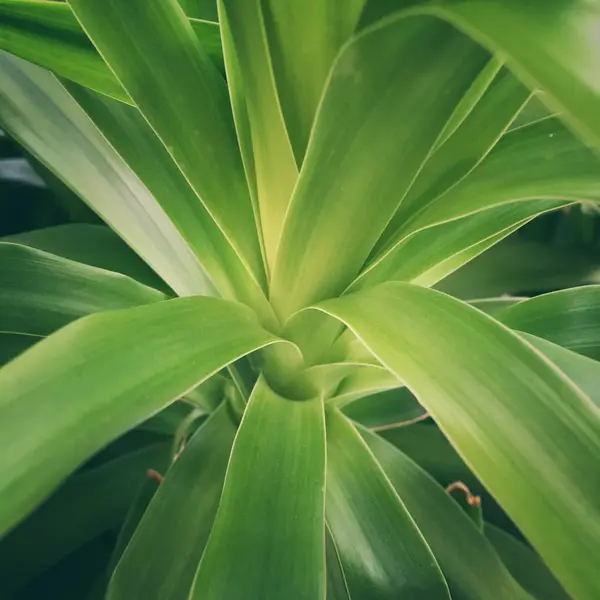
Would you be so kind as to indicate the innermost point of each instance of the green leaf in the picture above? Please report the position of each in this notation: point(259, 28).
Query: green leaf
point(544, 159)
point(132, 137)
point(162, 557)
point(464, 149)
point(37, 110)
point(251, 81)
point(368, 110)
point(569, 318)
point(40, 292)
point(48, 34)
point(449, 354)
point(432, 253)
point(385, 410)
point(471, 567)
point(87, 505)
point(304, 39)
point(128, 365)
point(158, 59)
point(286, 559)
point(382, 552)
point(556, 50)
point(525, 565)
point(92, 245)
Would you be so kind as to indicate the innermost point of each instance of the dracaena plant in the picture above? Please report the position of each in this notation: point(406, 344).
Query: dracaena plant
point(294, 180)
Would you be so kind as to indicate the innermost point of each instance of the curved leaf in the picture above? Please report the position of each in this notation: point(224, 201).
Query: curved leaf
point(365, 106)
point(286, 559)
point(48, 34)
point(382, 552)
point(569, 318)
point(93, 245)
point(497, 400)
point(464, 149)
point(38, 112)
point(545, 160)
point(40, 292)
point(158, 59)
point(471, 567)
point(163, 555)
point(128, 365)
point(132, 137)
point(432, 253)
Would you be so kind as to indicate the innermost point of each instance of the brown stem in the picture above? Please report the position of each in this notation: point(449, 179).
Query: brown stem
point(461, 487)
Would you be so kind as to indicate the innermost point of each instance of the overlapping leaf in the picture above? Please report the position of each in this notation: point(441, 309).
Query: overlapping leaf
point(100, 376)
point(456, 361)
point(155, 54)
point(40, 292)
point(42, 116)
point(243, 558)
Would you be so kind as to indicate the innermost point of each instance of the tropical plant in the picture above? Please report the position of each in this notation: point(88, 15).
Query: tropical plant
point(301, 175)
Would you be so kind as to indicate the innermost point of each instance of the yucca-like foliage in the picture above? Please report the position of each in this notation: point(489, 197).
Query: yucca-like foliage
point(301, 174)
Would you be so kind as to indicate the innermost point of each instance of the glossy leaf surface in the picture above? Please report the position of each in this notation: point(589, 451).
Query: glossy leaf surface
point(382, 553)
point(41, 115)
point(155, 54)
point(243, 558)
point(128, 365)
point(469, 563)
point(429, 341)
point(367, 110)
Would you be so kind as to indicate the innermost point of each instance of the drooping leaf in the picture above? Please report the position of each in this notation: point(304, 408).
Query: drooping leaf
point(555, 51)
point(286, 559)
point(162, 557)
point(40, 292)
point(98, 377)
point(365, 106)
point(449, 354)
point(382, 552)
point(164, 68)
point(43, 117)
point(470, 565)
point(569, 318)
